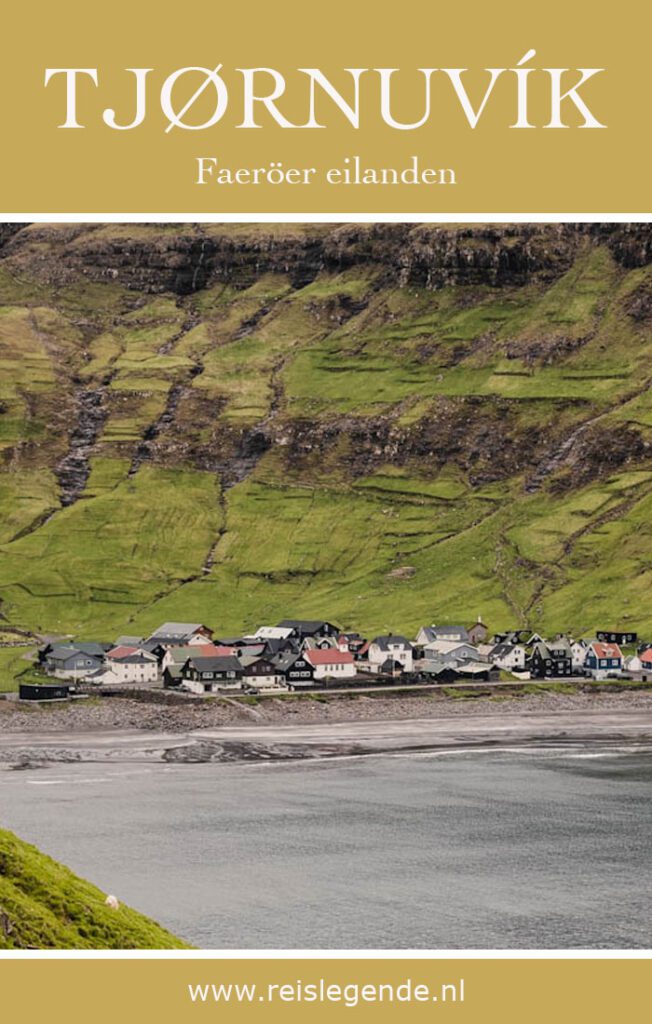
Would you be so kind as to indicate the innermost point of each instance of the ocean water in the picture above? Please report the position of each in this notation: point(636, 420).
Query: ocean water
point(528, 849)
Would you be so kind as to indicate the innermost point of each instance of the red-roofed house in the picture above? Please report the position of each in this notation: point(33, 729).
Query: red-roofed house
point(603, 659)
point(331, 663)
point(131, 665)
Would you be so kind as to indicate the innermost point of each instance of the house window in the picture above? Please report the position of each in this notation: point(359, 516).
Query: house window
point(603, 662)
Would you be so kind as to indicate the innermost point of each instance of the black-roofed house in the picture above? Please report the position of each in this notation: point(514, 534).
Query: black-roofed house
point(295, 669)
point(210, 675)
point(302, 628)
point(261, 674)
point(391, 646)
point(550, 659)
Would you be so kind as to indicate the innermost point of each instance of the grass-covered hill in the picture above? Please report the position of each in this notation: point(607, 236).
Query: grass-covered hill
point(43, 905)
point(380, 425)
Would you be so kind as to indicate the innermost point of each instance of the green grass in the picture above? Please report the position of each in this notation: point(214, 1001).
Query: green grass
point(43, 905)
point(321, 532)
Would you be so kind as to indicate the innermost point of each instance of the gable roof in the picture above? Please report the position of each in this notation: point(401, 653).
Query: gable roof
point(329, 657)
point(304, 625)
point(603, 650)
point(179, 655)
point(67, 651)
point(393, 639)
point(228, 664)
point(177, 629)
point(273, 633)
point(443, 632)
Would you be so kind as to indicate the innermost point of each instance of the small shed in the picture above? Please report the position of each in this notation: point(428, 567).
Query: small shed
point(44, 691)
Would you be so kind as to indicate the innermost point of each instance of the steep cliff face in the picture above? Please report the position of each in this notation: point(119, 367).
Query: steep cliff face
point(188, 259)
point(287, 415)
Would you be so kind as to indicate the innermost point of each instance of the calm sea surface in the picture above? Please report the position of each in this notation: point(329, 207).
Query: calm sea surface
point(521, 850)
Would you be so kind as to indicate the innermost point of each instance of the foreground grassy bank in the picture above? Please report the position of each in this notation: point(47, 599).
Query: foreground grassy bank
point(43, 905)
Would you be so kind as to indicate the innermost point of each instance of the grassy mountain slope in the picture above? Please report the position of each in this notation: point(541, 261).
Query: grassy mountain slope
point(44, 906)
point(236, 425)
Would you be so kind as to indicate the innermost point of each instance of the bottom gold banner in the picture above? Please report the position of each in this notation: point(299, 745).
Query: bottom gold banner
point(465, 991)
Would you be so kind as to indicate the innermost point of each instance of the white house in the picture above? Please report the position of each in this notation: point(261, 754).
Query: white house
point(510, 657)
point(331, 663)
point(390, 648)
point(132, 665)
point(579, 650)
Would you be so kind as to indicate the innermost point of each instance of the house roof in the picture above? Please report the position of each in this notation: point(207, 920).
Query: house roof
point(442, 632)
point(285, 660)
point(177, 629)
point(121, 651)
point(227, 664)
point(65, 652)
point(181, 654)
point(646, 656)
point(499, 651)
point(304, 625)
point(273, 633)
point(133, 655)
point(329, 657)
point(391, 639)
point(603, 650)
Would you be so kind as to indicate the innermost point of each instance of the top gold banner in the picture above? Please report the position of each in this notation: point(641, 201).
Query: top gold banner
point(341, 108)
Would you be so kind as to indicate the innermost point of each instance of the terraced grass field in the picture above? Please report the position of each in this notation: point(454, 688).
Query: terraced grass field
point(237, 444)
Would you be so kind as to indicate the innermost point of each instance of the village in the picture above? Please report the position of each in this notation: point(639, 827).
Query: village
point(312, 655)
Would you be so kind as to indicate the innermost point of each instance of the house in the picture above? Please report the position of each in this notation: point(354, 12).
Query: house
point(436, 670)
point(641, 662)
point(261, 674)
point(294, 669)
point(429, 634)
point(69, 662)
point(132, 665)
point(603, 659)
point(320, 643)
point(451, 649)
point(172, 634)
point(578, 654)
point(179, 655)
point(547, 660)
point(478, 633)
point(210, 675)
point(510, 657)
point(302, 628)
point(352, 642)
point(390, 646)
point(331, 664)
point(518, 636)
point(44, 691)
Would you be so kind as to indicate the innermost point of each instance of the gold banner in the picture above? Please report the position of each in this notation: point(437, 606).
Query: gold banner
point(538, 150)
point(463, 991)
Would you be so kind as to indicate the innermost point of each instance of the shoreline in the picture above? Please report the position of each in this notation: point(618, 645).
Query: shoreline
point(577, 721)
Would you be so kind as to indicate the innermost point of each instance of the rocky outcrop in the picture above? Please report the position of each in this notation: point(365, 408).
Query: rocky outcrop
point(192, 257)
point(74, 469)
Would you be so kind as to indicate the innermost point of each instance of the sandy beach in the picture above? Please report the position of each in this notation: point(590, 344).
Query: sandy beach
point(124, 730)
